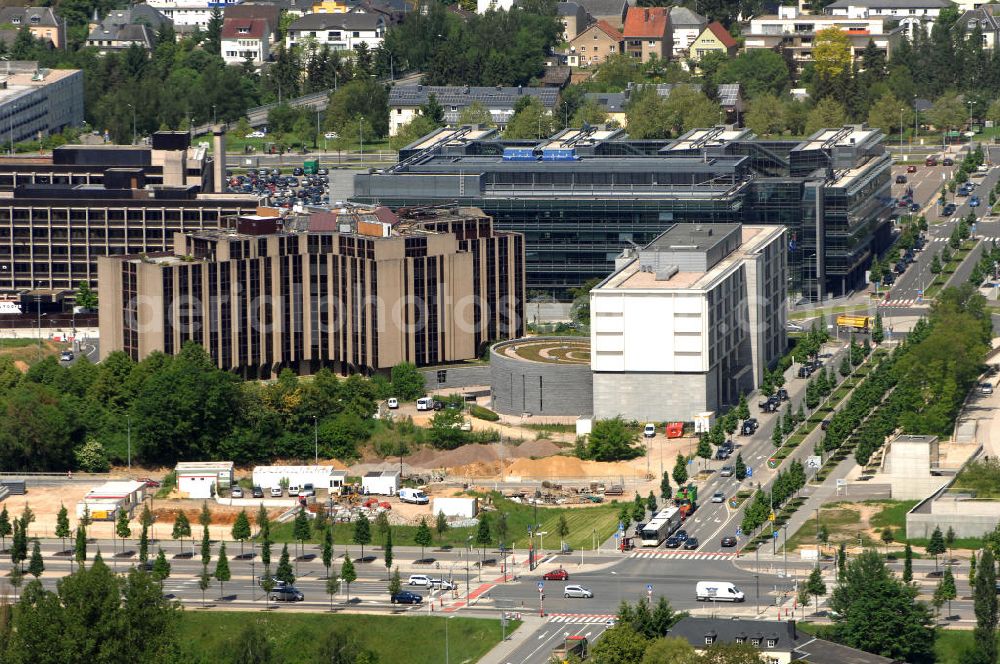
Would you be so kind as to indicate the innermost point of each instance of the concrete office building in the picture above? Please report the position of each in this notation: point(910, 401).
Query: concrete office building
point(356, 290)
point(689, 322)
point(59, 213)
point(582, 196)
point(36, 102)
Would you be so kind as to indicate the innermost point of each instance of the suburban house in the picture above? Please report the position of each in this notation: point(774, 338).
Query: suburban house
point(341, 32)
point(573, 17)
point(246, 39)
point(909, 13)
point(647, 33)
point(405, 101)
point(265, 10)
point(42, 22)
point(685, 25)
point(123, 28)
point(985, 18)
point(612, 103)
point(796, 33)
point(780, 642)
point(612, 11)
point(594, 45)
point(189, 14)
point(713, 39)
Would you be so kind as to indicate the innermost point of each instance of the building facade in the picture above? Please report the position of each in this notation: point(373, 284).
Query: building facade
point(36, 102)
point(245, 39)
point(689, 322)
point(909, 13)
point(122, 28)
point(647, 33)
point(573, 17)
point(405, 102)
point(582, 196)
point(713, 39)
point(594, 45)
point(986, 20)
point(358, 290)
point(686, 25)
point(339, 32)
point(190, 13)
point(42, 22)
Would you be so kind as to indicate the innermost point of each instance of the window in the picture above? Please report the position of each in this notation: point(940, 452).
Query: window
point(355, 34)
point(741, 639)
point(771, 643)
point(755, 641)
point(709, 639)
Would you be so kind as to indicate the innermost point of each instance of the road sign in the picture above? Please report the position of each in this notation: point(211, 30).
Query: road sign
point(541, 586)
point(770, 517)
point(814, 462)
point(775, 534)
point(772, 463)
point(739, 531)
point(649, 587)
point(749, 471)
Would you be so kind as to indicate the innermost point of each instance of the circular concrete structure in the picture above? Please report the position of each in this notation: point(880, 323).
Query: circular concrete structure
point(542, 376)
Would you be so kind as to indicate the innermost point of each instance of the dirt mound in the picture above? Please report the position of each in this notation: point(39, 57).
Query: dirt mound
point(477, 469)
point(533, 448)
point(564, 466)
point(466, 454)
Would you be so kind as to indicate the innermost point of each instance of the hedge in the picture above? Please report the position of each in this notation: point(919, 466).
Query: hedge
point(483, 413)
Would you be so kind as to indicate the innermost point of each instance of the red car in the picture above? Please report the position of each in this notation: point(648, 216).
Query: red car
point(150, 482)
point(911, 169)
point(556, 575)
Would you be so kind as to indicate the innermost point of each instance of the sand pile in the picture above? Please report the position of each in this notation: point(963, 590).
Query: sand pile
point(564, 466)
point(533, 448)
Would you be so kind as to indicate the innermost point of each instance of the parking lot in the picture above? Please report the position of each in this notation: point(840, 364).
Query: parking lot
point(282, 189)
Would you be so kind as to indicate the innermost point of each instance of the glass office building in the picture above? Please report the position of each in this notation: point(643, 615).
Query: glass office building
point(583, 195)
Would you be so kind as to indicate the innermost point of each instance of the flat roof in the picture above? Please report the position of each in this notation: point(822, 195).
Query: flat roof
point(114, 490)
point(20, 83)
point(692, 237)
point(185, 466)
point(847, 136)
point(381, 473)
point(301, 469)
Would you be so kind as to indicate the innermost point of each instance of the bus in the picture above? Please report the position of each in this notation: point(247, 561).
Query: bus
point(661, 526)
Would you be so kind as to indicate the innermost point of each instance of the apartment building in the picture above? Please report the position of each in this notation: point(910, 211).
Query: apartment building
point(405, 101)
point(689, 322)
point(121, 28)
point(42, 22)
point(245, 39)
point(340, 32)
point(686, 25)
point(37, 102)
point(188, 14)
point(647, 33)
point(909, 13)
point(355, 289)
point(594, 45)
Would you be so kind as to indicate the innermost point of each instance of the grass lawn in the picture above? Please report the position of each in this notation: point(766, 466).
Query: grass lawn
point(841, 523)
point(893, 514)
point(299, 637)
point(582, 521)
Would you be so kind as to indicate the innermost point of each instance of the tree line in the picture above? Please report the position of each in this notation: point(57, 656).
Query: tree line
point(166, 409)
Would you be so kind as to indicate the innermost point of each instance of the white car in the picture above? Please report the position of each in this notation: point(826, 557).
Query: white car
point(331, 135)
point(256, 134)
point(276, 492)
point(718, 497)
point(236, 492)
point(293, 490)
point(392, 402)
point(442, 584)
point(578, 591)
point(420, 580)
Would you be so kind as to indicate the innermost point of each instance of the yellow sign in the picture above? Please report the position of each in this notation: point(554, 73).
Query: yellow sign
point(771, 517)
point(100, 515)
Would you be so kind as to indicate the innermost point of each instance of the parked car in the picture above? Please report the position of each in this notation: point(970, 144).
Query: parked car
point(911, 169)
point(825, 424)
point(293, 489)
point(443, 584)
point(406, 597)
point(578, 591)
point(276, 492)
point(556, 575)
point(672, 542)
point(782, 394)
point(985, 389)
point(691, 544)
point(307, 490)
point(150, 482)
point(331, 135)
point(728, 542)
point(914, 207)
point(718, 497)
point(236, 492)
point(649, 430)
point(930, 161)
point(974, 201)
point(257, 492)
point(392, 402)
point(256, 134)
point(727, 471)
point(287, 594)
point(948, 161)
point(682, 535)
point(750, 426)
point(419, 580)
point(66, 356)
point(900, 179)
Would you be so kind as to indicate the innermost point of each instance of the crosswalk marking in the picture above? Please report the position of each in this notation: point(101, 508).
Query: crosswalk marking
point(580, 618)
point(682, 556)
point(899, 303)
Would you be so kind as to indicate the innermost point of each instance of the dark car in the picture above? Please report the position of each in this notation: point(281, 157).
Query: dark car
point(728, 542)
point(824, 425)
point(286, 594)
point(888, 279)
point(805, 371)
point(406, 597)
point(750, 426)
point(682, 535)
point(783, 394)
point(438, 405)
point(672, 542)
point(911, 169)
point(914, 207)
point(948, 161)
point(900, 179)
point(257, 492)
point(556, 575)
point(691, 544)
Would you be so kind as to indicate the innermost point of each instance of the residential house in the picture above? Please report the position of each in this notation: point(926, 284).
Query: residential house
point(612, 11)
point(246, 39)
point(594, 45)
point(685, 25)
point(189, 14)
point(796, 33)
point(123, 28)
point(268, 11)
point(909, 13)
point(405, 101)
point(779, 642)
point(987, 19)
point(483, 6)
point(341, 32)
point(330, 7)
point(612, 103)
point(713, 39)
point(647, 33)
point(42, 22)
point(392, 11)
point(574, 19)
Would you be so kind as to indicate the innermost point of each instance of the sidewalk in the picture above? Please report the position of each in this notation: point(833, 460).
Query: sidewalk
point(501, 652)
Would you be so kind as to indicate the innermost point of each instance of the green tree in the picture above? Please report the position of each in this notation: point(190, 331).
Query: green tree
point(841, 560)
point(144, 544)
point(878, 334)
point(680, 470)
point(650, 505)
point(91, 457)
point(301, 530)
point(776, 435)
point(828, 112)
point(972, 569)
point(412, 132)
point(935, 546)
point(284, 571)
point(742, 408)
point(760, 72)
point(251, 646)
point(36, 565)
point(845, 366)
point(475, 113)
point(647, 115)
point(948, 588)
point(619, 645)
point(483, 534)
point(121, 527)
point(665, 491)
point(347, 574)
point(612, 440)
point(327, 550)
point(205, 516)
point(949, 111)
point(984, 596)
point(222, 573)
point(886, 113)
point(204, 581)
point(387, 552)
point(887, 538)
point(815, 586)
point(831, 54)
point(360, 100)
point(740, 469)
point(878, 613)
point(333, 584)
point(407, 381)
point(80, 547)
point(182, 528)
point(206, 547)
point(85, 297)
point(704, 449)
point(766, 116)
point(241, 529)
point(62, 525)
point(530, 120)
point(362, 533)
point(161, 568)
point(5, 527)
point(908, 563)
point(442, 525)
point(668, 650)
point(395, 584)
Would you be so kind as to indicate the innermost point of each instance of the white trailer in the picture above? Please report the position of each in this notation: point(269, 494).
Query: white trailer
point(465, 508)
point(380, 483)
point(321, 477)
point(104, 502)
point(197, 478)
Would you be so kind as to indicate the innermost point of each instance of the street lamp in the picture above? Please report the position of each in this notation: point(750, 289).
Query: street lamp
point(901, 130)
point(128, 438)
point(446, 639)
point(316, 438)
point(916, 120)
point(133, 122)
point(214, 121)
point(361, 138)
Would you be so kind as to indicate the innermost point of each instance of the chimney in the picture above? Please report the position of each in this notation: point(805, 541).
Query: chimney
point(219, 164)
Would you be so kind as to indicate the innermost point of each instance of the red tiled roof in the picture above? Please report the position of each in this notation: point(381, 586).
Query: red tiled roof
point(607, 29)
point(386, 215)
point(646, 22)
point(255, 28)
point(722, 34)
point(323, 222)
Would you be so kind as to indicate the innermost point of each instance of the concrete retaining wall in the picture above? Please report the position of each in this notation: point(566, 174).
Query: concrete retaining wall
point(457, 376)
point(540, 388)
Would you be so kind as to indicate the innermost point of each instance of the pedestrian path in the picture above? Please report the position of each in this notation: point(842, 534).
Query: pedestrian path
point(720, 555)
point(581, 618)
point(905, 302)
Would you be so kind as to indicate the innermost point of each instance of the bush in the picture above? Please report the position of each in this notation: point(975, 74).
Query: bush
point(483, 413)
point(91, 457)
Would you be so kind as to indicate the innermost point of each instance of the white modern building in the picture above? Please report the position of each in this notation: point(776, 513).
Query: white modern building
point(689, 322)
point(203, 479)
point(909, 13)
point(405, 101)
point(339, 32)
point(687, 25)
point(246, 39)
point(380, 483)
point(321, 477)
point(36, 102)
point(459, 507)
point(190, 12)
point(103, 503)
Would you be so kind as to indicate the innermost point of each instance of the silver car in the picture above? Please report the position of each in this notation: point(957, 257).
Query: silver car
point(578, 591)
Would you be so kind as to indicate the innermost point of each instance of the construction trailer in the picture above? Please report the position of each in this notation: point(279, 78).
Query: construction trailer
point(321, 477)
point(104, 502)
point(381, 482)
point(465, 508)
point(203, 479)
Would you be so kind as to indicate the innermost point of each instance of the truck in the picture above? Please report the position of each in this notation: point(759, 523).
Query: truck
point(310, 166)
point(574, 648)
point(686, 500)
point(856, 323)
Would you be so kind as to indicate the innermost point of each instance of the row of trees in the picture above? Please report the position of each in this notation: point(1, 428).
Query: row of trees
point(785, 485)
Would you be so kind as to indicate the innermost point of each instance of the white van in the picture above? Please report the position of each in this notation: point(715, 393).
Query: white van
point(415, 496)
point(392, 403)
point(425, 403)
point(649, 431)
point(718, 591)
